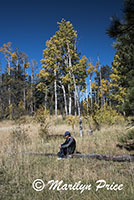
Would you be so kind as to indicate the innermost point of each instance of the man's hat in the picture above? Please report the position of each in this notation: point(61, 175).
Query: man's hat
point(67, 133)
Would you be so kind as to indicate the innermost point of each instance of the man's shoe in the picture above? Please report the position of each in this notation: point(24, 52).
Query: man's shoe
point(60, 158)
point(69, 156)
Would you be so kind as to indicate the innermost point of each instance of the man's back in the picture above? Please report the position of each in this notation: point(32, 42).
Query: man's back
point(70, 144)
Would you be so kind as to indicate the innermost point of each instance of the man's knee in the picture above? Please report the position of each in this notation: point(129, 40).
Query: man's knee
point(63, 152)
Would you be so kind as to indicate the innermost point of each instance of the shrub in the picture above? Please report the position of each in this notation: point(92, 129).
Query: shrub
point(41, 116)
point(72, 120)
point(127, 138)
point(107, 115)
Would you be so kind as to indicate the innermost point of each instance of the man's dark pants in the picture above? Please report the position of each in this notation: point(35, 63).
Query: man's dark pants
point(64, 152)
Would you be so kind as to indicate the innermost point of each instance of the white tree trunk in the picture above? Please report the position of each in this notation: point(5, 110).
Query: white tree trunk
point(75, 103)
point(78, 104)
point(87, 100)
point(101, 88)
point(55, 90)
point(76, 92)
point(9, 87)
point(91, 92)
point(65, 100)
point(95, 96)
point(24, 89)
point(32, 82)
point(24, 97)
point(17, 65)
point(101, 84)
point(70, 101)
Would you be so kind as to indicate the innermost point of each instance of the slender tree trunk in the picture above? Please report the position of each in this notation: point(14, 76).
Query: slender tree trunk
point(24, 97)
point(17, 65)
point(9, 94)
point(95, 96)
point(0, 75)
point(78, 104)
point(110, 104)
point(76, 92)
point(75, 103)
point(91, 92)
point(45, 100)
point(32, 82)
point(24, 89)
point(32, 105)
point(70, 100)
point(65, 100)
point(104, 100)
point(55, 90)
point(9, 87)
point(101, 89)
point(101, 84)
point(1, 93)
point(87, 101)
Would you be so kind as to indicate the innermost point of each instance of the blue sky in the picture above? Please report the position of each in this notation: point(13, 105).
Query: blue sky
point(29, 23)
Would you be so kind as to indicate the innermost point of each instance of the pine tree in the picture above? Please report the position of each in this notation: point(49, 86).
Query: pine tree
point(123, 32)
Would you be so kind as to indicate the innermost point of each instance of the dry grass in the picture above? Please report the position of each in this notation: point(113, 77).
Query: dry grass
point(19, 171)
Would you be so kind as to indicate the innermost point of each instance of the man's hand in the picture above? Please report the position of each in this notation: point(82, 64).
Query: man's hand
point(59, 146)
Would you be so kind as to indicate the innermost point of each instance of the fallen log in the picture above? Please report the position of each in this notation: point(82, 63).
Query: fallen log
point(117, 158)
point(122, 158)
point(39, 154)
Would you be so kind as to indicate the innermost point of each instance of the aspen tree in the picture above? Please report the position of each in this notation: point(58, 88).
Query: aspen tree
point(62, 64)
point(90, 71)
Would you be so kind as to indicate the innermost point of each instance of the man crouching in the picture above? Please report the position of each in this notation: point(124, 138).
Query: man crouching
point(68, 147)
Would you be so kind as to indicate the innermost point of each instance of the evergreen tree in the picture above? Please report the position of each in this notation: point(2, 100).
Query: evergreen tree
point(123, 32)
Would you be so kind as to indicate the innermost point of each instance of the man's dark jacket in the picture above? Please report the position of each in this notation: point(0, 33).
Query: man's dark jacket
point(69, 144)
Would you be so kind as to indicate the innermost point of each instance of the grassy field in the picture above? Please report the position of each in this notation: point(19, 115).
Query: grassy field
point(18, 171)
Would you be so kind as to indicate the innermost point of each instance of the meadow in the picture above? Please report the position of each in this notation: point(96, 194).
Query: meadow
point(19, 170)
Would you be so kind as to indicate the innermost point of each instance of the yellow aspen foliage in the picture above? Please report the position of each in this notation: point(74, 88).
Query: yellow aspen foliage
point(94, 86)
point(21, 105)
point(114, 77)
point(107, 115)
point(66, 78)
point(27, 65)
point(120, 93)
point(91, 68)
point(26, 74)
point(7, 51)
point(72, 120)
point(42, 87)
point(13, 56)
